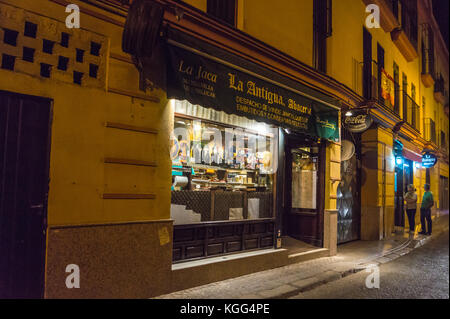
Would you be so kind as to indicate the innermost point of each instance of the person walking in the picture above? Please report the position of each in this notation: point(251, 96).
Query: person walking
point(425, 210)
point(411, 206)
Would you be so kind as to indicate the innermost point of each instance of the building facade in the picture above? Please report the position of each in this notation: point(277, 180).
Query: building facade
point(167, 144)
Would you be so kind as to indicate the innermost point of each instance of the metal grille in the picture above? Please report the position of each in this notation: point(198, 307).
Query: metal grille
point(265, 203)
point(199, 202)
point(42, 47)
point(223, 201)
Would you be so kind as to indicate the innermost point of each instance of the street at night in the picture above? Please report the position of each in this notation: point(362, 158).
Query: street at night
point(222, 158)
point(421, 274)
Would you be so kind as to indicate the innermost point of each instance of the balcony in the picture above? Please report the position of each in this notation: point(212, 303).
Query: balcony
point(405, 36)
point(379, 87)
point(411, 112)
point(430, 130)
point(428, 75)
point(389, 94)
point(439, 90)
point(370, 81)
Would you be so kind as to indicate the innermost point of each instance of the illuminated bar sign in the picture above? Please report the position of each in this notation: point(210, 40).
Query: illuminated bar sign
point(208, 83)
point(429, 160)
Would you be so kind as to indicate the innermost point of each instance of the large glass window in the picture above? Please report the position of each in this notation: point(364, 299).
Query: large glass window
point(304, 178)
point(223, 166)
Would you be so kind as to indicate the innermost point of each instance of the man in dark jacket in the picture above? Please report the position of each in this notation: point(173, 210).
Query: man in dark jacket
point(425, 210)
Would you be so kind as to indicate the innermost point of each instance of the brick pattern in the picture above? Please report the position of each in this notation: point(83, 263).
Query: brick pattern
point(42, 47)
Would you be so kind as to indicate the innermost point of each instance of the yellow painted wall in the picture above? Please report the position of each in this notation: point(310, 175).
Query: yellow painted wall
point(199, 4)
point(80, 140)
point(333, 174)
point(288, 26)
point(284, 24)
point(346, 44)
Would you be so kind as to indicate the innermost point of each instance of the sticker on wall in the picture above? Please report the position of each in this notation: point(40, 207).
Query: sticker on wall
point(164, 237)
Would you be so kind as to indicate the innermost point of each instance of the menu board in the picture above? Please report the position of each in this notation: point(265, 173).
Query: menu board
point(304, 189)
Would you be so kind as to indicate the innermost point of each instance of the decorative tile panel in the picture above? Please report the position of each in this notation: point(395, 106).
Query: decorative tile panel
point(43, 47)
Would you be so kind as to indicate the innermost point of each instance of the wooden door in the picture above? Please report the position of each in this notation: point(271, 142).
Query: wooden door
point(304, 172)
point(24, 158)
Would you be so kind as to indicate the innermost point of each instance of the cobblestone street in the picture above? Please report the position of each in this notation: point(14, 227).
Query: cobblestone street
point(421, 274)
point(311, 278)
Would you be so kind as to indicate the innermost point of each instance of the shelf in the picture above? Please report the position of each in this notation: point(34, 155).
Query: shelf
point(225, 183)
point(201, 166)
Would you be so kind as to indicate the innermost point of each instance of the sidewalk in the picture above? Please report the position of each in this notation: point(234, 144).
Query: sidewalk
point(291, 280)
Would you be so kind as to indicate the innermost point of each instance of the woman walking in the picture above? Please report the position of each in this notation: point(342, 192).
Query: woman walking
point(411, 206)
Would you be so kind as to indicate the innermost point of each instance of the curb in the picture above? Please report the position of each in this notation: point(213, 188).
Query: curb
point(310, 283)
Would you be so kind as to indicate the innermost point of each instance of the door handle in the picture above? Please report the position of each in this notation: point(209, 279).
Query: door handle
point(37, 206)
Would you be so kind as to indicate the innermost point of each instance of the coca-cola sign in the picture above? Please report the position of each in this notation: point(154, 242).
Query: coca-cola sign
point(358, 121)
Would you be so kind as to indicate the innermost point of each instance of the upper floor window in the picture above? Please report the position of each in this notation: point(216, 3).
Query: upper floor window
point(427, 50)
point(407, 16)
point(224, 10)
point(322, 20)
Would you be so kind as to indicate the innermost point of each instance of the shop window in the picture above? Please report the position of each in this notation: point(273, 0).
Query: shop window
point(304, 178)
point(223, 167)
point(224, 10)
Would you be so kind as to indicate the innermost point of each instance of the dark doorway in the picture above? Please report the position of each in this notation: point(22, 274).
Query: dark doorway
point(403, 177)
point(349, 190)
point(24, 164)
point(303, 196)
